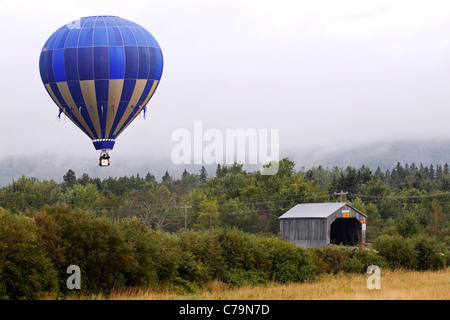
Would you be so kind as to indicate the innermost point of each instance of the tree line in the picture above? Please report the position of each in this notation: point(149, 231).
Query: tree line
point(405, 200)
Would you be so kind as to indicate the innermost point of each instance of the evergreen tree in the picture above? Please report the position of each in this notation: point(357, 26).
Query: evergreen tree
point(84, 180)
point(69, 178)
point(149, 177)
point(203, 174)
point(439, 173)
point(166, 177)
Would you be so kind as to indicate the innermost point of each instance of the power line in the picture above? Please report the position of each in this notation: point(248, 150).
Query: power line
point(299, 199)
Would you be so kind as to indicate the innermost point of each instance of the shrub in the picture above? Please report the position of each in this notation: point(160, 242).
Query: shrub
point(398, 251)
point(337, 258)
point(329, 259)
point(205, 250)
point(240, 250)
point(143, 270)
point(287, 262)
point(25, 270)
point(429, 253)
point(96, 245)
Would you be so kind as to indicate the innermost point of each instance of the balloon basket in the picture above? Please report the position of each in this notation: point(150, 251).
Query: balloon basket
point(103, 161)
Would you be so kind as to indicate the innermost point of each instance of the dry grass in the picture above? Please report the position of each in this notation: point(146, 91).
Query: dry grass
point(395, 285)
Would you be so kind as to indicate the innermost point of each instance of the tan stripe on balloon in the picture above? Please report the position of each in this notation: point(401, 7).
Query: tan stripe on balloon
point(152, 90)
point(90, 100)
point(49, 88)
point(67, 96)
point(115, 92)
point(137, 93)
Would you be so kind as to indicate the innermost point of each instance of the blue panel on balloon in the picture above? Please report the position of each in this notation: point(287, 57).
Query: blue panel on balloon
point(159, 64)
point(61, 41)
point(72, 38)
point(89, 22)
point(99, 22)
point(140, 40)
point(101, 63)
point(153, 63)
point(101, 90)
point(128, 36)
point(100, 37)
point(85, 63)
point(131, 62)
point(114, 37)
point(52, 39)
point(75, 91)
point(116, 62)
point(128, 88)
point(71, 64)
point(144, 62)
point(109, 21)
point(85, 39)
point(58, 65)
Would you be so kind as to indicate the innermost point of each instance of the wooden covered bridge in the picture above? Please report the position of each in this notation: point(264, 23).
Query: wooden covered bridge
point(321, 224)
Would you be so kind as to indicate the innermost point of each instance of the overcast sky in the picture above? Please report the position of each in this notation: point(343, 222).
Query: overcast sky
point(325, 73)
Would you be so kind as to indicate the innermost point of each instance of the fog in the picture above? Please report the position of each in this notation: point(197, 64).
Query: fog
point(330, 76)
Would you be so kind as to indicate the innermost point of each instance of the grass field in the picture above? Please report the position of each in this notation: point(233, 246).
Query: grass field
point(395, 285)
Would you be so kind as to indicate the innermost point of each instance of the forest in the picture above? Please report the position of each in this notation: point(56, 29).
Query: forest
point(188, 230)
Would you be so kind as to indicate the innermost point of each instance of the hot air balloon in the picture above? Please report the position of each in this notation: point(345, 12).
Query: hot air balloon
point(101, 72)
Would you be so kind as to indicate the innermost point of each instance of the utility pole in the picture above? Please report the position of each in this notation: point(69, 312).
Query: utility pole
point(185, 215)
point(342, 193)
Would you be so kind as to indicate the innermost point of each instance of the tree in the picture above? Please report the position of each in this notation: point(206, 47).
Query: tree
point(149, 177)
point(69, 178)
point(184, 174)
point(166, 177)
point(407, 225)
point(208, 216)
point(156, 208)
point(203, 174)
point(25, 270)
point(29, 193)
point(84, 197)
point(84, 180)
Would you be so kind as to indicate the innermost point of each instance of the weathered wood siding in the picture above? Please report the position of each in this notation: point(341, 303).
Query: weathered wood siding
point(306, 232)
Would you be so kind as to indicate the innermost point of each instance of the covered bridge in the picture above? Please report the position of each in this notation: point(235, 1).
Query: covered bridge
point(321, 224)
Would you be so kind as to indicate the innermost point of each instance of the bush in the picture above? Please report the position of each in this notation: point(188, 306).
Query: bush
point(143, 270)
point(25, 270)
point(207, 253)
point(429, 253)
point(337, 258)
point(398, 251)
point(241, 250)
point(287, 262)
point(96, 245)
point(420, 252)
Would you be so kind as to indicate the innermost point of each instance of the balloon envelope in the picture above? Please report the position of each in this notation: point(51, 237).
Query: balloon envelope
point(101, 71)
